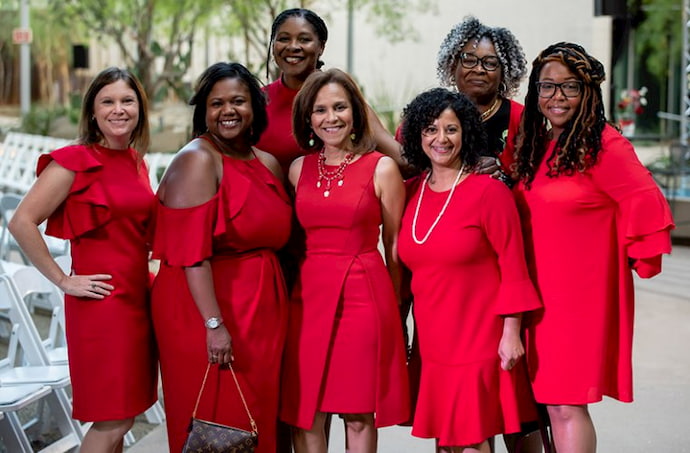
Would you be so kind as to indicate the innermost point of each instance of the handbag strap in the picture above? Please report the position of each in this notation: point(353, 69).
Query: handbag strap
point(244, 402)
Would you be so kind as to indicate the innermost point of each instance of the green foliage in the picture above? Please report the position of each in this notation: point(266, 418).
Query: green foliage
point(659, 35)
point(40, 120)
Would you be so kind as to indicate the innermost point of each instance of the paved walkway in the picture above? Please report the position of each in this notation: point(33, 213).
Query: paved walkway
point(658, 420)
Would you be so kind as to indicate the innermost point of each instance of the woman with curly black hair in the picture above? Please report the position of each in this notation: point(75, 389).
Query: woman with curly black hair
point(591, 213)
point(487, 64)
point(460, 238)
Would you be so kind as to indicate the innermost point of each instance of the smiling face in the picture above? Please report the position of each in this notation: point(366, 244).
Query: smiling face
point(332, 117)
point(480, 85)
point(558, 109)
point(442, 140)
point(116, 111)
point(296, 49)
point(229, 110)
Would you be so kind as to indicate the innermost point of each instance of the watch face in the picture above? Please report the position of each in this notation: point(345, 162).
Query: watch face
point(212, 323)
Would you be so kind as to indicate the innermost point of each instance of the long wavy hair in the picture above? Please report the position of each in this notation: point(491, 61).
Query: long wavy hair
point(578, 146)
point(427, 107)
point(508, 50)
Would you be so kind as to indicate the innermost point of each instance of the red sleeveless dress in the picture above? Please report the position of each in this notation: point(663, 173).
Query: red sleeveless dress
point(345, 351)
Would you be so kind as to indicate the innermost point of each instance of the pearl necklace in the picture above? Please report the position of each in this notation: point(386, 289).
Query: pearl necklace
point(329, 176)
point(440, 214)
point(490, 111)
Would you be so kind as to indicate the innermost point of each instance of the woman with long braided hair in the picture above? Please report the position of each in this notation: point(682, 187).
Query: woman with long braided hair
point(591, 214)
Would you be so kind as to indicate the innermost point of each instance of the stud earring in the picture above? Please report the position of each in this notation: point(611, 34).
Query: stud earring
point(353, 136)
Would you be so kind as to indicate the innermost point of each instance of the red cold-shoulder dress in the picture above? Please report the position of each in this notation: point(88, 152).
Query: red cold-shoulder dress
point(238, 230)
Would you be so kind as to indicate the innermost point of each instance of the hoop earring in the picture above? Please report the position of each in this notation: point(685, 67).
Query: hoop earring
point(502, 88)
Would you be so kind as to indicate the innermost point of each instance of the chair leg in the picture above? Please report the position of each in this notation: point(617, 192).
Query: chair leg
point(13, 434)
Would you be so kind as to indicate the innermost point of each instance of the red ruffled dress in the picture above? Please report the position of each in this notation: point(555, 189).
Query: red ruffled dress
point(581, 232)
point(238, 230)
point(470, 271)
point(345, 351)
point(112, 354)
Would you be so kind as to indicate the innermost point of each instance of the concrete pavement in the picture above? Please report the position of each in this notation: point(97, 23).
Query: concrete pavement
point(658, 420)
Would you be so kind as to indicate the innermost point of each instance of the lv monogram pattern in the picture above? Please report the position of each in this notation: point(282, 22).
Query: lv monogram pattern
point(208, 437)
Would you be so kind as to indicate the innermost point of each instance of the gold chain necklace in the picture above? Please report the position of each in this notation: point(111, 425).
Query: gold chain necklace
point(329, 176)
point(490, 111)
point(440, 214)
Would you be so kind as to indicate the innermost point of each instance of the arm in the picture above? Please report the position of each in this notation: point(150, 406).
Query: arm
point(390, 190)
point(46, 195)
point(385, 142)
point(191, 180)
point(295, 171)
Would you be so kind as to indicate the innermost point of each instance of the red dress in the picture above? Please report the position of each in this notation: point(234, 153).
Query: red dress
point(238, 230)
point(580, 231)
point(112, 356)
point(345, 351)
point(469, 272)
point(277, 139)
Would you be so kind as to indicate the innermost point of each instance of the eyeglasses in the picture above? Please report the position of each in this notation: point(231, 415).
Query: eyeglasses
point(470, 60)
point(571, 89)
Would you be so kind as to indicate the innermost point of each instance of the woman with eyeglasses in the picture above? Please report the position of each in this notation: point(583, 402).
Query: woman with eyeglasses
point(487, 64)
point(591, 214)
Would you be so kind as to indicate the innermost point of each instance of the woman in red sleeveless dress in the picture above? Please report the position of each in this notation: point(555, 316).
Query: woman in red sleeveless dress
point(219, 296)
point(96, 193)
point(345, 351)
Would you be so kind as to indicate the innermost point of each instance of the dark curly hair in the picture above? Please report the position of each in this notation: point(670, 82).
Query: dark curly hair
point(579, 144)
point(214, 74)
point(508, 50)
point(422, 112)
point(310, 16)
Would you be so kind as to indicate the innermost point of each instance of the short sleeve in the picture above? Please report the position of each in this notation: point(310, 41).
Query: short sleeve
point(644, 216)
point(184, 236)
point(501, 224)
point(86, 206)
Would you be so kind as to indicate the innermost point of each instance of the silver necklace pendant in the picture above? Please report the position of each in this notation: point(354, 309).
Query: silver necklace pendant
point(326, 193)
point(340, 183)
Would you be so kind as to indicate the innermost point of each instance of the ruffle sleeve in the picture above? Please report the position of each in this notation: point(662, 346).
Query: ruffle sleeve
point(184, 236)
point(86, 206)
point(644, 215)
point(501, 223)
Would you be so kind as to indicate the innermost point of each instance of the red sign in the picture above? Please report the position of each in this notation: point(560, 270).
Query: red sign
point(22, 36)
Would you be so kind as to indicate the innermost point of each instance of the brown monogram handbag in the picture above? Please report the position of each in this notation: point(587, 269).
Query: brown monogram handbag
point(209, 437)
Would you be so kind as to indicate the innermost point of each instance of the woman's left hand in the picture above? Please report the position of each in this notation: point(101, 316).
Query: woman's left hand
point(510, 350)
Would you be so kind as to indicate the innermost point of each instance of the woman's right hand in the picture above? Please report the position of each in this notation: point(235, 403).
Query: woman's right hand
point(219, 345)
point(93, 286)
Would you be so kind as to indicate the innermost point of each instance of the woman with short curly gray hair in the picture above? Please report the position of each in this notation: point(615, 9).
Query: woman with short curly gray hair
point(487, 64)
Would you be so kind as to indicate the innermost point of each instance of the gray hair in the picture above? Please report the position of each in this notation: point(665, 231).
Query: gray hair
point(508, 50)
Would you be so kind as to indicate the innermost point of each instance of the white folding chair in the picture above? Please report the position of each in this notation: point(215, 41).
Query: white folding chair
point(28, 363)
point(33, 286)
point(12, 400)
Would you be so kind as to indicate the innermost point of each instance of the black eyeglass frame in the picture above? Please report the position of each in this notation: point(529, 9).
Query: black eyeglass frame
point(559, 86)
point(479, 60)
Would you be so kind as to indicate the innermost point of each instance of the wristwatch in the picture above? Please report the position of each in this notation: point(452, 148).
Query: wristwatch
point(213, 323)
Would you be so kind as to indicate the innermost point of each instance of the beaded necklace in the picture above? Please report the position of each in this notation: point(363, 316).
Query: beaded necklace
point(329, 176)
